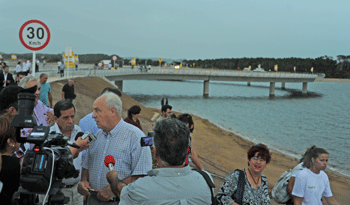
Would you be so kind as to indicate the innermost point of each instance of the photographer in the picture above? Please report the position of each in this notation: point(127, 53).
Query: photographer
point(173, 182)
point(9, 104)
point(10, 167)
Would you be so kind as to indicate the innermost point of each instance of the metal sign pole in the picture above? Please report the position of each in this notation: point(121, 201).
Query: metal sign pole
point(33, 64)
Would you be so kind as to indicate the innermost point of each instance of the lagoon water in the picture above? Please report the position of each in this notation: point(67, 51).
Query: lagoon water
point(288, 122)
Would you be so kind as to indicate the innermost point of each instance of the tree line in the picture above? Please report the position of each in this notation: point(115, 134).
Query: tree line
point(333, 68)
point(339, 68)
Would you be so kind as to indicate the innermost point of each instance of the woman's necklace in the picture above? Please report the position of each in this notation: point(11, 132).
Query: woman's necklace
point(256, 183)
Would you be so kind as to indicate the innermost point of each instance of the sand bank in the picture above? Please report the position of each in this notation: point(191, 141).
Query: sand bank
point(220, 151)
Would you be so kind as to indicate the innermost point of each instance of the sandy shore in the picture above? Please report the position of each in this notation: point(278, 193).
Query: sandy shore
point(220, 151)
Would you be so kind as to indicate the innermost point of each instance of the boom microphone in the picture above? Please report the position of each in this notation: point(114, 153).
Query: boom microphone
point(109, 162)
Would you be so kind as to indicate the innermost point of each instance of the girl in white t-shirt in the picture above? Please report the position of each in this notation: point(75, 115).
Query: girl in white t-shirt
point(312, 183)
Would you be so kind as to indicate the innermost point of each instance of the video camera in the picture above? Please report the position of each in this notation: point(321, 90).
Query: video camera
point(48, 162)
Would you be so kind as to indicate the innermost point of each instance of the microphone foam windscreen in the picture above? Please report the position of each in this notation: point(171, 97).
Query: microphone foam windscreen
point(109, 159)
point(79, 134)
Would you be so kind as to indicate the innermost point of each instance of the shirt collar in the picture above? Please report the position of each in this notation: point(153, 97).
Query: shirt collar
point(170, 172)
point(115, 130)
point(57, 130)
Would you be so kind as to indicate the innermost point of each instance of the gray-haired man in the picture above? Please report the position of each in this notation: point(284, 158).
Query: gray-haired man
point(173, 182)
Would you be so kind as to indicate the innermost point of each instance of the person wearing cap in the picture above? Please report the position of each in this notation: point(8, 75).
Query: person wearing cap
point(9, 101)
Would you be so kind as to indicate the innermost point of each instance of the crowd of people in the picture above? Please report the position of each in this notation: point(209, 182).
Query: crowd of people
point(133, 178)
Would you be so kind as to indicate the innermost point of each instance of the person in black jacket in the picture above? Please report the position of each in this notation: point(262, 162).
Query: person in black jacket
point(5, 78)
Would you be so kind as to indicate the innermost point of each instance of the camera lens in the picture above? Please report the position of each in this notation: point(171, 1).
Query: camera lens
point(26, 104)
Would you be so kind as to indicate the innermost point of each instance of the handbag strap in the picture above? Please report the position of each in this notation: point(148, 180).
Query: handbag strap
point(210, 184)
point(238, 194)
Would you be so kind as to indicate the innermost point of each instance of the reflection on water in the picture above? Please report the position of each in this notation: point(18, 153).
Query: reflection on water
point(290, 121)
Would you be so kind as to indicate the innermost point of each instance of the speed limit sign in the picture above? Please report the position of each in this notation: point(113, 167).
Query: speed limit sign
point(34, 35)
point(114, 58)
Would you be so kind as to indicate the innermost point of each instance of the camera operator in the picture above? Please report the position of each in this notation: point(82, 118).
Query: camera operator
point(11, 165)
point(9, 104)
point(119, 139)
point(9, 101)
point(64, 111)
point(173, 182)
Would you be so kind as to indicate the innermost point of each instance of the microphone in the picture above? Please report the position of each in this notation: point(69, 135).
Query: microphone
point(109, 162)
point(72, 144)
point(79, 134)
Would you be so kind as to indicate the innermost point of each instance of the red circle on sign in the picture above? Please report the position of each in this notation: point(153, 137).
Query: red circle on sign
point(33, 48)
point(114, 57)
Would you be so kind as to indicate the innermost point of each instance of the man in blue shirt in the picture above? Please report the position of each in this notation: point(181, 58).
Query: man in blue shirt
point(119, 139)
point(172, 183)
point(45, 94)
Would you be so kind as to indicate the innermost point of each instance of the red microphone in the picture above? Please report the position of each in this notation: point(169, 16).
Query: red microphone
point(109, 162)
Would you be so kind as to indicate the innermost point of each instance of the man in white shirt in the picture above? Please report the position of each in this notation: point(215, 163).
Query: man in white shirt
point(64, 112)
point(25, 67)
point(28, 65)
point(37, 65)
point(59, 66)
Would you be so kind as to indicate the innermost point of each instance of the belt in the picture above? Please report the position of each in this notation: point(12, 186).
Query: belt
point(114, 199)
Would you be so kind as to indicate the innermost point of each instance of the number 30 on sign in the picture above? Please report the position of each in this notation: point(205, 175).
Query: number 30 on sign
point(34, 35)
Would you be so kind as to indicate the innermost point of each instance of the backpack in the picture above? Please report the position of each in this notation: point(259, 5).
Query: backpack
point(279, 191)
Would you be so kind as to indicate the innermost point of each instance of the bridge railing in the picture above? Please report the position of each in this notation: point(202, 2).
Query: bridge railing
point(72, 73)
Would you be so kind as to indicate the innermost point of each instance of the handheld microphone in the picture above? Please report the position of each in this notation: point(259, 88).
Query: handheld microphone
point(79, 134)
point(109, 162)
point(83, 136)
point(72, 144)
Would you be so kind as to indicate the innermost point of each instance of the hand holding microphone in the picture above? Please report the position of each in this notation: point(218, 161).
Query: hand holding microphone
point(112, 174)
point(109, 162)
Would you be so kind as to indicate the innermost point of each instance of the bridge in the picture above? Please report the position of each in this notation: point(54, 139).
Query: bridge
point(205, 75)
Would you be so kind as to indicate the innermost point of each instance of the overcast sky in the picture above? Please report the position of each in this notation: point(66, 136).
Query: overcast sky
point(189, 29)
